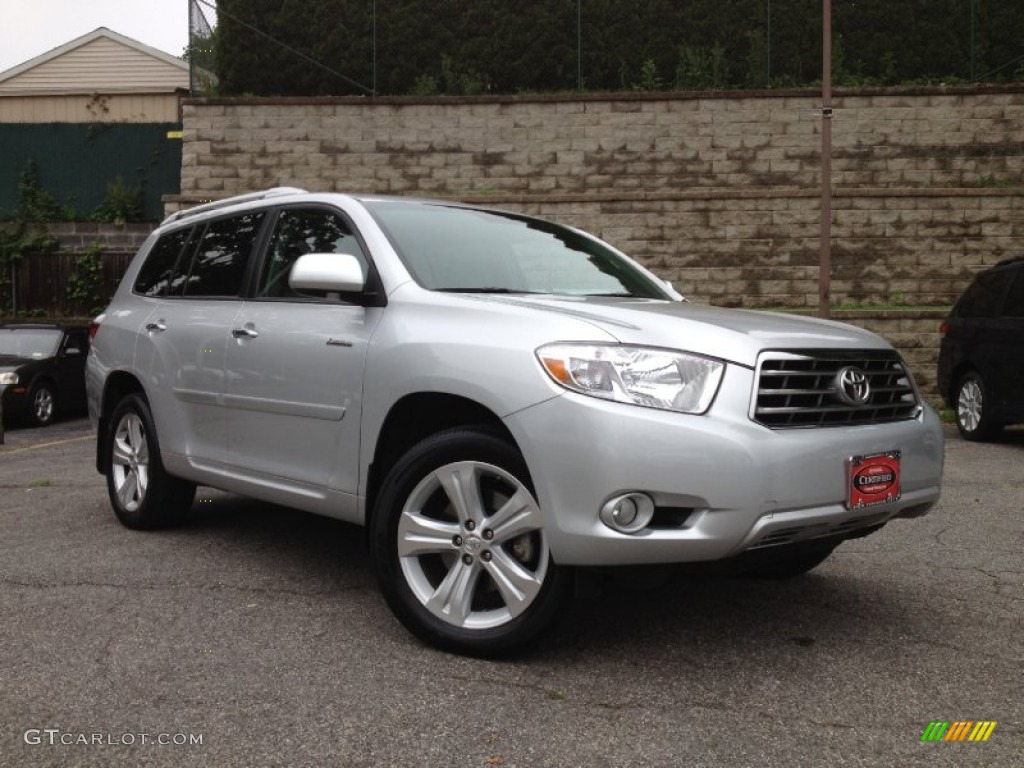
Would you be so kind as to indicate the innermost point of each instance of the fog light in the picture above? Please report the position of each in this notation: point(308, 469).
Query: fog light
point(628, 513)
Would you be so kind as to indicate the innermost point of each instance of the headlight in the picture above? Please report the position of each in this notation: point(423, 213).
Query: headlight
point(656, 378)
point(8, 378)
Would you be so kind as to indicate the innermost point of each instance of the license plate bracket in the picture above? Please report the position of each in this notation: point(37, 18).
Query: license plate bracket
point(873, 479)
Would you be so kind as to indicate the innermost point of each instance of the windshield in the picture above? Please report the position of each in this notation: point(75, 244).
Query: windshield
point(464, 250)
point(29, 342)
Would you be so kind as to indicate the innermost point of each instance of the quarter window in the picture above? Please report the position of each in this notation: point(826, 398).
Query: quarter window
point(157, 274)
point(297, 233)
point(218, 266)
point(982, 298)
point(1015, 298)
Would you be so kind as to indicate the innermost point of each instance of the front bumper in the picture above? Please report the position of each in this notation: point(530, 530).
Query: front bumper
point(735, 485)
point(14, 401)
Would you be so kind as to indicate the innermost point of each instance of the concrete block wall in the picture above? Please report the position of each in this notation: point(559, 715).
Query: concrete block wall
point(717, 192)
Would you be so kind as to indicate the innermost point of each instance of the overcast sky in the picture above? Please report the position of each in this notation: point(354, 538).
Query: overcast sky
point(29, 28)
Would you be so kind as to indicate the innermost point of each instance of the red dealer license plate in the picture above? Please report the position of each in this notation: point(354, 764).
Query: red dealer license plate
point(873, 480)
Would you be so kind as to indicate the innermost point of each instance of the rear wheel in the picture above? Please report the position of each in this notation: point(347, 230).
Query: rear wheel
point(143, 495)
point(459, 546)
point(43, 404)
point(973, 413)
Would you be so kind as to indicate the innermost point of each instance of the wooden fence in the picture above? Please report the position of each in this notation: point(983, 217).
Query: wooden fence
point(40, 283)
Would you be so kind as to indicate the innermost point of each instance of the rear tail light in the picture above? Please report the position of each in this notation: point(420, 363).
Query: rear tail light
point(943, 330)
point(94, 328)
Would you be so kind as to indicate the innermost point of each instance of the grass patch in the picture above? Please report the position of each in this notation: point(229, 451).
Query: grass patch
point(42, 482)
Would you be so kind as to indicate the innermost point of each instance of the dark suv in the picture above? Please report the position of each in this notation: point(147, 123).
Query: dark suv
point(981, 361)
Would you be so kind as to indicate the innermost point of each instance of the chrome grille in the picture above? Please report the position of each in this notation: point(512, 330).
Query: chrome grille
point(799, 389)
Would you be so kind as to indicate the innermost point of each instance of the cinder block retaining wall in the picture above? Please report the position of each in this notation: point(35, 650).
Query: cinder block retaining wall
point(717, 192)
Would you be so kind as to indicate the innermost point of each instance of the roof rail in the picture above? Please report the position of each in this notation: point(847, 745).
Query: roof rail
point(228, 201)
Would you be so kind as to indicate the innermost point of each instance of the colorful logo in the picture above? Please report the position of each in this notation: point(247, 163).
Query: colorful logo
point(958, 730)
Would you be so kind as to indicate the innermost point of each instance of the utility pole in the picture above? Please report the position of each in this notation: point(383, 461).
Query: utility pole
point(579, 45)
point(825, 255)
point(374, 47)
point(973, 22)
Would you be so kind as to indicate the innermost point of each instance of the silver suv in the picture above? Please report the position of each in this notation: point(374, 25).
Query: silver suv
point(498, 399)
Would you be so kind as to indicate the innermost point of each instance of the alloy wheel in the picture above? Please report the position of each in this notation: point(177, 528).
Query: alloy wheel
point(130, 461)
point(471, 546)
point(42, 405)
point(969, 405)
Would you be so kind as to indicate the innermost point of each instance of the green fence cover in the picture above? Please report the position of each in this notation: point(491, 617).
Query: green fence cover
point(77, 161)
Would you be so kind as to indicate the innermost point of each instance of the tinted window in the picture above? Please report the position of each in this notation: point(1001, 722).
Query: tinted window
point(76, 340)
point(457, 249)
point(154, 279)
point(1015, 298)
point(983, 296)
point(218, 265)
point(299, 232)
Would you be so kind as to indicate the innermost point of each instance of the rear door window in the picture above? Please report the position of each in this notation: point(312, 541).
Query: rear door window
point(219, 263)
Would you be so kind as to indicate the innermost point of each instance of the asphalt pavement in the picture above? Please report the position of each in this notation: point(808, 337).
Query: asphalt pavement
point(259, 632)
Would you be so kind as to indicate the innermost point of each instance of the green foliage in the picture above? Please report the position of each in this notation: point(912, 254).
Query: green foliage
point(84, 287)
point(122, 204)
point(649, 78)
point(37, 205)
point(701, 68)
point(460, 81)
point(425, 85)
point(22, 238)
point(532, 47)
point(757, 72)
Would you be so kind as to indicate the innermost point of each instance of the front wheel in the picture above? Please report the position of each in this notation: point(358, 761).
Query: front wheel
point(43, 404)
point(143, 495)
point(459, 548)
point(973, 412)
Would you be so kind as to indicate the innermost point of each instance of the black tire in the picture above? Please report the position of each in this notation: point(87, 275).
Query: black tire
point(143, 495)
point(792, 565)
point(973, 417)
point(466, 549)
point(42, 404)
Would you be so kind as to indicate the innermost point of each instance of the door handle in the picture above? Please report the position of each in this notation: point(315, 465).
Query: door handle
point(156, 327)
point(244, 333)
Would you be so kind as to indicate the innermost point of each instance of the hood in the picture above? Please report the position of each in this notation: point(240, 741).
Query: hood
point(734, 335)
point(11, 362)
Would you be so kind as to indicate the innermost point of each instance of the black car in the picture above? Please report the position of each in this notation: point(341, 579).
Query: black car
point(42, 369)
point(981, 360)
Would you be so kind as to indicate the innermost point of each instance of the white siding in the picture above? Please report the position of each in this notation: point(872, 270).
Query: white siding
point(102, 65)
point(112, 108)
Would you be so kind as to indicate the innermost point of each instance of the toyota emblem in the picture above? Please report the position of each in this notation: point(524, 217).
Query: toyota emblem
point(852, 386)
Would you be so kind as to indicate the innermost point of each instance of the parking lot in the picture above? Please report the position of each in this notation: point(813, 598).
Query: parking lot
point(261, 631)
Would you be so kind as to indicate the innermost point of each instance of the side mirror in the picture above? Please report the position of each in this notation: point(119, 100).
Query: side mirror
point(331, 272)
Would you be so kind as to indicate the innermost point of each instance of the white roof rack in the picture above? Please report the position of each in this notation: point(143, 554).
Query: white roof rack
point(228, 201)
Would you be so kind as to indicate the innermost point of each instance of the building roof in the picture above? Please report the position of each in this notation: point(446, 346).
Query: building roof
point(101, 61)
